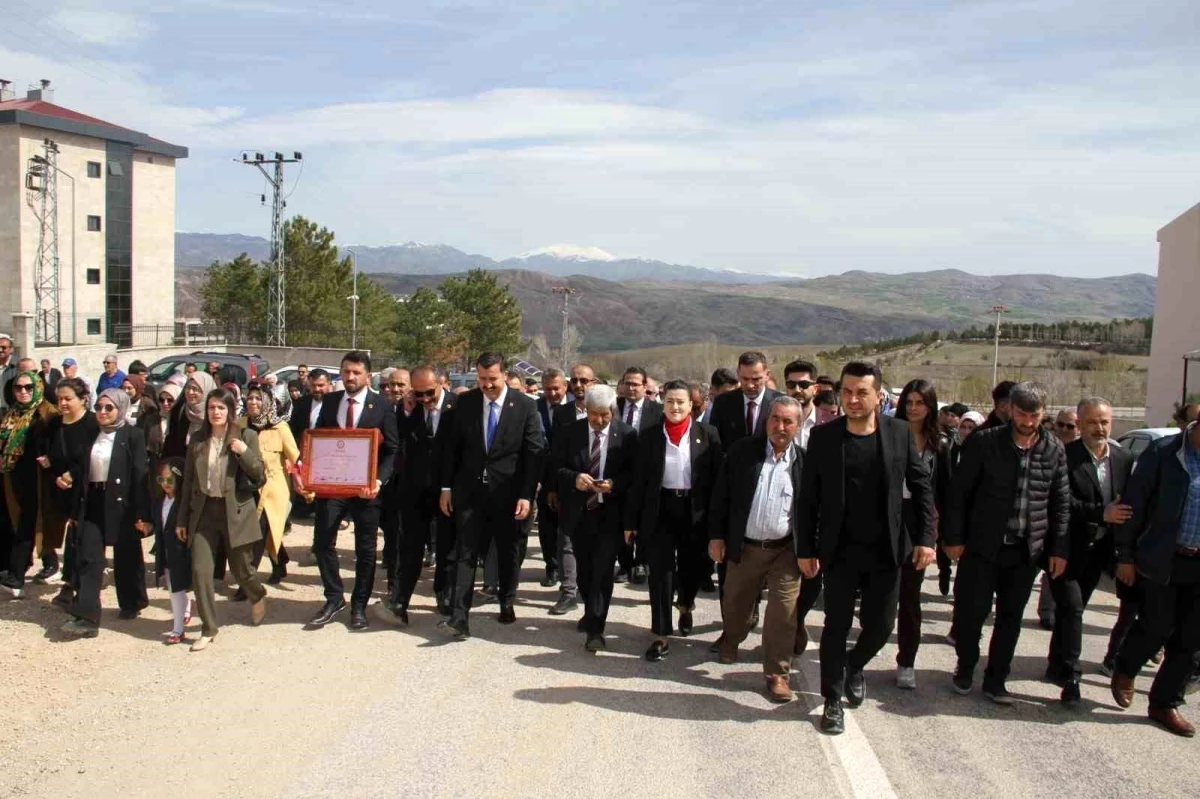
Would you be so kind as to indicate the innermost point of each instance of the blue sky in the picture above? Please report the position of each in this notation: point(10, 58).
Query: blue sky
point(803, 137)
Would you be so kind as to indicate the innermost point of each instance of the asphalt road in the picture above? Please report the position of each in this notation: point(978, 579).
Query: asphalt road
point(524, 711)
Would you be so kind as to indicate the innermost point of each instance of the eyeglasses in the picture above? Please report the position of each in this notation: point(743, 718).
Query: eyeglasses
point(165, 481)
point(106, 408)
point(632, 384)
point(22, 386)
point(422, 394)
point(803, 385)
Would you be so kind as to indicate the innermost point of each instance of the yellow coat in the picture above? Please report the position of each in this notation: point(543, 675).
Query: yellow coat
point(278, 449)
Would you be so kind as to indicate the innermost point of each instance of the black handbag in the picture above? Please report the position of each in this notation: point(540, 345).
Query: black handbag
point(242, 481)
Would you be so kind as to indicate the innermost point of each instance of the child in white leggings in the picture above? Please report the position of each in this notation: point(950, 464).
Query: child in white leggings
point(172, 558)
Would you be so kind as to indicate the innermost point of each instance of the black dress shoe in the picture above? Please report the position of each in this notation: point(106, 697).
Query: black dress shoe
point(238, 595)
point(639, 575)
point(325, 615)
point(754, 618)
point(358, 619)
point(1056, 674)
point(685, 623)
point(443, 607)
point(401, 615)
point(833, 719)
point(856, 687)
point(507, 615)
point(707, 586)
point(581, 626)
point(1070, 692)
point(595, 643)
point(944, 583)
point(622, 576)
point(550, 580)
point(127, 614)
point(277, 575)
point(657, 651)
point(564, 605)
point(456, 630)
point(715, 647)
point(487, 594)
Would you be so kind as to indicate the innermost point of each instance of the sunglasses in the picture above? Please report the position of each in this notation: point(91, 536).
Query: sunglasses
point(106, 407)
point(803, 385)
point(421, 394)
point(580, 380)
point(1064, 425)
point(166, 399)
point(165, 481)
point(22, 386)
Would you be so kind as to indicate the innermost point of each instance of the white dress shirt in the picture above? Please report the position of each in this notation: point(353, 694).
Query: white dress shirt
point(315, 411)
point(806, 426)
point(603, 434)
point(771, 509)
point(433, 417)
point(677, 465)
point(100, 457)
point(580, 413)
point(758, 401)
point(487, 408)
point(168, 502)
point(636, 422)
point(360, 404)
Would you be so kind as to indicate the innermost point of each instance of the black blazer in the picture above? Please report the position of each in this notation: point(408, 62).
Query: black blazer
point(706, 453)
point(728, 415)
point(376, 413)
point(572, 455)
point(548, 413)
point(50, 381)
point(1087, 503)
point(301, 410)
point(734, 494)
point(171, 556)
point(127, 492)
point(652, 414)
point(514, 463)
point(423, 452)
point(821, 501)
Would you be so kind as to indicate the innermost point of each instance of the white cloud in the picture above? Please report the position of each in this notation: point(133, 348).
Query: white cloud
point(102, 27)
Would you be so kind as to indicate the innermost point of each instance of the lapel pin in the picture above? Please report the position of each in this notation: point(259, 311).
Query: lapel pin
point(697, 441)
point(370, 405)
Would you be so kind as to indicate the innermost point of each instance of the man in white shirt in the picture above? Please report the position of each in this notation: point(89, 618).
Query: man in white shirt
point(800, 379)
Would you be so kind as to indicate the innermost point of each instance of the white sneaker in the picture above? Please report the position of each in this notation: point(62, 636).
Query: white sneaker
point(906, 677)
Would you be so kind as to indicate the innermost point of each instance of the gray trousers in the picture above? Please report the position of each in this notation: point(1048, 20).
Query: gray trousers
point(204, 541)
point(567, 566)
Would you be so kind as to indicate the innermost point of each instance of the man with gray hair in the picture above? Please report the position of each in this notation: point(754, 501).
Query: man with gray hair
point(1006, 518)
point(1097, 469)
point(593, 460)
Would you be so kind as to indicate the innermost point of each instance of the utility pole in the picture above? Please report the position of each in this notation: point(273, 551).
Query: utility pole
point(354, 302)
point(277, 285)
point(566, 292)
point(41, 184)
point(997, 310)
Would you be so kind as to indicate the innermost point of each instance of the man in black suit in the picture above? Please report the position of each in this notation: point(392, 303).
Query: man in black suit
point(642, 414)
point(423, 434)
point(355, 407)
point(582, 376)
point(554, 396)
point(490, 469)
point(1097, 470)
point(848, 526)
point(50, 377)
point(304, 417)
point(594, 461)
point(737, 414)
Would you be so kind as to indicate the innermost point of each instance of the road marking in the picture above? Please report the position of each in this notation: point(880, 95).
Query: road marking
point(849, 754)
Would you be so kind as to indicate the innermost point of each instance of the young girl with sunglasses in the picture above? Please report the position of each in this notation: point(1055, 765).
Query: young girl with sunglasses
point(172, 558)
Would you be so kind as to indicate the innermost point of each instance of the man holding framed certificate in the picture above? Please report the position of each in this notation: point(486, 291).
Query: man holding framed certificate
point(345, 460)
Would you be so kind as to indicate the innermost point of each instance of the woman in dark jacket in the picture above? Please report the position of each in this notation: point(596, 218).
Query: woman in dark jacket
point(919, 407)
point(69, 441)
point(172, 559)
point(113, 510)
point(217, 503)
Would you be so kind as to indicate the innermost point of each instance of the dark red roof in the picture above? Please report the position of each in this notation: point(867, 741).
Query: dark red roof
point(40, 113)
point(52, 110)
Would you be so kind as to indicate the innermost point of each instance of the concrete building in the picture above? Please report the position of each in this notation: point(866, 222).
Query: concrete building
point(116, 221)
point(1176, 317)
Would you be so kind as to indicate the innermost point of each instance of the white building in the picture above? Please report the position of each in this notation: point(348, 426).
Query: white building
point(116, 221)
point(1176, 317)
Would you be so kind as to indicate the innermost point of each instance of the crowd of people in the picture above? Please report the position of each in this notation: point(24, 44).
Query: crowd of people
point(830, 490)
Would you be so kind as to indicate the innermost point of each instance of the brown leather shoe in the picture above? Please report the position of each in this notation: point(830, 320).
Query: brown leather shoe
point(801, 641)
point(1122, 689)
point(778, 689)
point(1169, 718)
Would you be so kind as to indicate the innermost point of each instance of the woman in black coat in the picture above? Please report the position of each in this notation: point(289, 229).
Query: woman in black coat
point(172, 558)
point(113, 509)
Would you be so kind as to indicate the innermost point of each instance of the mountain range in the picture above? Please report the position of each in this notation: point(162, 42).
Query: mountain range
point(634, 303)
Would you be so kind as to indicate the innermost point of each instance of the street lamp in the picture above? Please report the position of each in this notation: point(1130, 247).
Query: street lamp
point(997, 310)
point(354, 301)
point(41, 159)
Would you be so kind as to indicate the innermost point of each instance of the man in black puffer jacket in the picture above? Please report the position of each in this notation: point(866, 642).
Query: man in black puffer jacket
point(1007, 516)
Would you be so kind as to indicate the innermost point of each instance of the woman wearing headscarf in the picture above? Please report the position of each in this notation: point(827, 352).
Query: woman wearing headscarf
point(221, 475)
point(267, 413)
point(187, 417)
point(113, 510)
point(22, 434)
point(139, 404)
point(154, 424)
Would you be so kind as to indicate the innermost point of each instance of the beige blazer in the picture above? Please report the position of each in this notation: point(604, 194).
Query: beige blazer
point(241, 512)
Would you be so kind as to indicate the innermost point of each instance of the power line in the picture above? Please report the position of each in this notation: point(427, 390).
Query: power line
point(277, 285)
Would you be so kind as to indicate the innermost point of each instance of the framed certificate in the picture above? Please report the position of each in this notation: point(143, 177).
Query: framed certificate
point(337, 463)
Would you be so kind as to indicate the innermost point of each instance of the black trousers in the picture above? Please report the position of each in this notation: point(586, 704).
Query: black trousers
point(677, 553)
point(391, 522)
point(129, 569)
point(1009, 580)
point(365, 514)
point(879, 584)
point(1169, 615)
point(1129, 597)
point(547, 520)
point(1071, 592)
point(908, 625)
point(597, 540)
point(479, 519)
point(19, 551)
point(419, 517)
point(260, 547)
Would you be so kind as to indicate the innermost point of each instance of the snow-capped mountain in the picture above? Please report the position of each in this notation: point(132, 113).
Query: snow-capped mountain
point(570, 252)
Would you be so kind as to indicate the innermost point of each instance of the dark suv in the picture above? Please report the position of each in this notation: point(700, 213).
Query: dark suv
point(235, 367)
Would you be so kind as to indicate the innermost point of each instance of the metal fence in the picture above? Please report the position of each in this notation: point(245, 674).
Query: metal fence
point(178, 334)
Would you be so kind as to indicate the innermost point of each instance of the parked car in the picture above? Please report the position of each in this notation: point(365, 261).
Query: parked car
point(290, 372)
point(1137, 440)
point(234, 367)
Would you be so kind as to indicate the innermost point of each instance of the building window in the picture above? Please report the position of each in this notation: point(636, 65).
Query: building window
point(93, 277)
point(93, 327)
point(115, 169)
point(93, 223)
point(93, 169)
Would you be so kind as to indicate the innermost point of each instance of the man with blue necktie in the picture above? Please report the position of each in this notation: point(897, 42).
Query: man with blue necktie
point(490, 471)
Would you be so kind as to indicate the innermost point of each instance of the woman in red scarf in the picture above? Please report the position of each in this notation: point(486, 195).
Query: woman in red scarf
point(668, 510)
